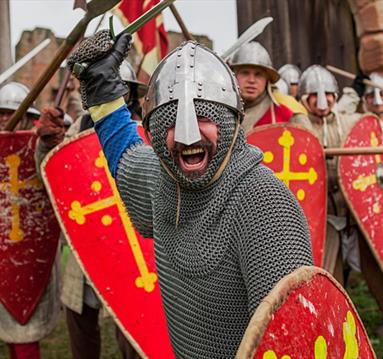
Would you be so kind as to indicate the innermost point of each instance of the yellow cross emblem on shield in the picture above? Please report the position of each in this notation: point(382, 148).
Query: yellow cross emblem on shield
point(286, 141)
point(363, 182)
point(14, 186)
point(78, 213)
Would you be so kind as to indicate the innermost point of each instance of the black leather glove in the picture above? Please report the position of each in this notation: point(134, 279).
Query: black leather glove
point(358, 84)
point(100, 81)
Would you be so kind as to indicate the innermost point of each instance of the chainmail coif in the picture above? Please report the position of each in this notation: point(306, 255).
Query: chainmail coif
point(235, 239)
point(165, 116)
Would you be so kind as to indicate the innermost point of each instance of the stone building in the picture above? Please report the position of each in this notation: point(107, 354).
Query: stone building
point(31, 71)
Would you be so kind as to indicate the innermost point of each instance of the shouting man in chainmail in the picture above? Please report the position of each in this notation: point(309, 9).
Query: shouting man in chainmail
point(225, 228)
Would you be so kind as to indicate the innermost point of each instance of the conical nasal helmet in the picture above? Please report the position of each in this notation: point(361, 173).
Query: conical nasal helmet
point(318, 80)
point(191, 72)
point(290, 73)
point(378, 79)
point(128, 75)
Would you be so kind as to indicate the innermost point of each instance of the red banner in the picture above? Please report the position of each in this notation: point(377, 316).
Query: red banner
point(151, 41)
point(115, 258)
point(29, 231)
point(361, 180)
point(296, 157)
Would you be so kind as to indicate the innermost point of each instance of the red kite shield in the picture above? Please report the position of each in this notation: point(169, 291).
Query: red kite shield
point(297, 158)
point(361, 180)
point(115, 258)
point(28, 229)
point(306, 315)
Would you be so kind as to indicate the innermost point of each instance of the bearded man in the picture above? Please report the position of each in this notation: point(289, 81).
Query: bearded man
point(225, 228)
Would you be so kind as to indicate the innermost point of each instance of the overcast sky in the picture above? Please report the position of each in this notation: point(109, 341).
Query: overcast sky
point(214, 18)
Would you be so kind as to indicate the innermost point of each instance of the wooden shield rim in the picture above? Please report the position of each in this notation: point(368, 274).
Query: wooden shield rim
point(351, 207)
point(275, 299)
point(67, 141)
point(300, 127)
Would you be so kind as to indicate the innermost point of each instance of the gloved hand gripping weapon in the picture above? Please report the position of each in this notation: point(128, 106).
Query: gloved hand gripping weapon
point(97, 60)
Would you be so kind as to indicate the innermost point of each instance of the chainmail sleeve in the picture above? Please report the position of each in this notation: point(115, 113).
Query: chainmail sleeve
point(273, 235)
point(137, 177)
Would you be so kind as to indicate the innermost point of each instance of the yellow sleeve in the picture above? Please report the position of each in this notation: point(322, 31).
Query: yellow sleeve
point(100, 111)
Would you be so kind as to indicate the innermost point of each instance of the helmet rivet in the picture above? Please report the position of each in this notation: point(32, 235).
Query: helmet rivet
point(223, 89)
point(170, 90)
point(191, 66)
point(171, 97)
point(178, 66)
point(199, 95)
point(147, 98)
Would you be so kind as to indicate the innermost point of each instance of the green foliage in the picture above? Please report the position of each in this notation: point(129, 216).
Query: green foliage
point(368, 310)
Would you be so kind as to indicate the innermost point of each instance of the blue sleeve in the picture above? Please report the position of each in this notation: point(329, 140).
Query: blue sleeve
point(117, 132)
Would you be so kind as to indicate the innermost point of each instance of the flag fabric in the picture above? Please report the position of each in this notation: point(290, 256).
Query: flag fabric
point(151, 41)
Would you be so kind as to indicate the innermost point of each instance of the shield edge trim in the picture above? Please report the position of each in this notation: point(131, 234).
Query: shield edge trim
point(273, 301)
point(85, 133)
point(366, 236)
point(300, 127)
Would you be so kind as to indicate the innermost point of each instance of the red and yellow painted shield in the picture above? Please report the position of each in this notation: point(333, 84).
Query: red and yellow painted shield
point(115, 258)
point(296, 157)
point(361, 180)
point(306, 315)
point(29, 231)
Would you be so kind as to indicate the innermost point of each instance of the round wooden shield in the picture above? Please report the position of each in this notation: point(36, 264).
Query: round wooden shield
point(296, 157)
point(115, 258)
point(29, 231)
point(306, 315)
point(361, 180)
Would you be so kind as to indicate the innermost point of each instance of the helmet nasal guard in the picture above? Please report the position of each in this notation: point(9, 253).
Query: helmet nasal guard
point(191, 72)
point(316, 79)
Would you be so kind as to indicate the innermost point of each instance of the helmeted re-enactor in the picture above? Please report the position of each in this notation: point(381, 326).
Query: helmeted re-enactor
point(373, 97)
point(291, 74)
point(225, 228)
point(318, 91)
point(256, 77)
point(23, 340)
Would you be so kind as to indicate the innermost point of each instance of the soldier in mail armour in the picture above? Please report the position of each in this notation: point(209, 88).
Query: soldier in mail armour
point(318, 92)
point(225, 228)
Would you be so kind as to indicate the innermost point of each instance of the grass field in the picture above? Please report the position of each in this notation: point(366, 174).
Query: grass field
point(56, 346)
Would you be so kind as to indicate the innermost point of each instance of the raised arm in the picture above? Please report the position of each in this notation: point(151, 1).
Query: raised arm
point(131, 163)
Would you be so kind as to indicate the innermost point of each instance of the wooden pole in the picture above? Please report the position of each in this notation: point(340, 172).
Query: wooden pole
point(353, 151)
point(5, 37)
point(352, 76)
point(95, 8)
point(181, 23)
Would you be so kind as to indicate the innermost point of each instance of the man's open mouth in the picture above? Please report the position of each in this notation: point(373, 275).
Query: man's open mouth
point(193, 160)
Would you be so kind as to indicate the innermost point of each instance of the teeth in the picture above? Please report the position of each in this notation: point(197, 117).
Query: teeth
point(192, 151)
